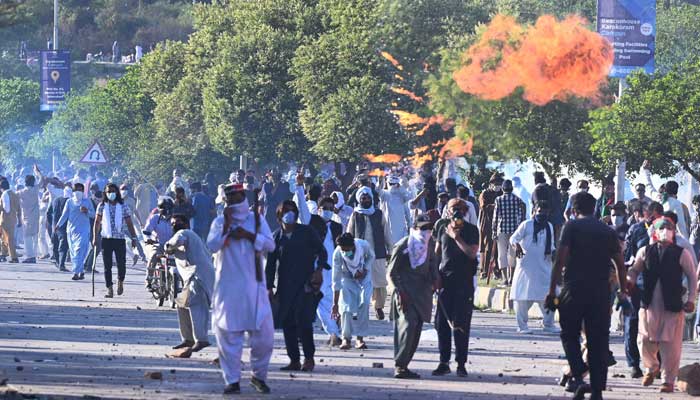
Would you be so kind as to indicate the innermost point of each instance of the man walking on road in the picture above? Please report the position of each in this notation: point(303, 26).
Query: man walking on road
point(414, 273)
point(239, 239)
point(458, 246)
point(9, 217)
point(194, 266)
point(534, 246)
point(587, 245)
point(29, 203)
point(507, 215)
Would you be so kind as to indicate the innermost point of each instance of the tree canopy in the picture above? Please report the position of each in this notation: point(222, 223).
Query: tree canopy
point(657, 120)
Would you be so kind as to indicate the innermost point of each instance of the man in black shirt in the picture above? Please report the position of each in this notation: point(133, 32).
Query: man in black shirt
point(458, 245)
point(586, 248)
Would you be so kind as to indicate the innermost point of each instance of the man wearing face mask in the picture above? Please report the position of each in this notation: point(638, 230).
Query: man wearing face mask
point(508, 214)
point(76, 216)
point(458, 246)
point(329, 231)
point(351, 276)
point(550, 194)
point(367, 223)
point(618, 216)
point(239, 239)
point(533, 241)
point(663, 265)
point(112, 227)
point(10, 215)
point(273, 193)
point(487, 204)
point(59, 236)
point(297, 261)
point(193, 262)
point(395, 209)
point(413, 270)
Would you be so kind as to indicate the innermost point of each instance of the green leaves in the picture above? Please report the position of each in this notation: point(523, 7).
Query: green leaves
point(656, 119)
point(20, 117)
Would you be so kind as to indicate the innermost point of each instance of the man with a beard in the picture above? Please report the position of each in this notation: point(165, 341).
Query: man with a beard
point(239, 239)
point(458, 246)
point(585, 250)
point(367, 223)
point(487, 205)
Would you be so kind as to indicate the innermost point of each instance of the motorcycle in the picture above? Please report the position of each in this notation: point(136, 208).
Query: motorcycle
point(165, 282)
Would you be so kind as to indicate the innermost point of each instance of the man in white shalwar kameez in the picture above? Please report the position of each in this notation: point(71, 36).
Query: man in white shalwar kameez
point(534, 245)
point(239, 239)
point(394, 205)
point(663, 265)
point(352, 288)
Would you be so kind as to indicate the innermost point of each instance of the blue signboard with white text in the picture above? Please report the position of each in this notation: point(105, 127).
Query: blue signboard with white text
point(55, 78)
point(630, 25)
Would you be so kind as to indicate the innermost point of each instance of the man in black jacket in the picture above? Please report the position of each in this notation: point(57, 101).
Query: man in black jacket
point(297, 262)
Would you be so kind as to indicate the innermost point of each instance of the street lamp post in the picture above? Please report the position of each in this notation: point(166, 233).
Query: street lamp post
point(55, 24)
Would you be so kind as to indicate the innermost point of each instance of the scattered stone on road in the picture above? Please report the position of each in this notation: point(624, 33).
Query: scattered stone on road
point(83, 347)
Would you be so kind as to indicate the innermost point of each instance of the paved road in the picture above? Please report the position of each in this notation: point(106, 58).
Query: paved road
point(57, 341)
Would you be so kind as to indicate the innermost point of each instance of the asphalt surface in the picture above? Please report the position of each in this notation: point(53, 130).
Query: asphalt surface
point(57, 341)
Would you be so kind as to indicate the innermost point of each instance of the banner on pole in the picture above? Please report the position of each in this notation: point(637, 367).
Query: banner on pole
point(630, 25)
point(55, 78)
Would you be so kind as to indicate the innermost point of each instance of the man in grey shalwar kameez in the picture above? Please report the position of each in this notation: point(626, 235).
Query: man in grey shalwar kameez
point(413, 271)
point(194, 265)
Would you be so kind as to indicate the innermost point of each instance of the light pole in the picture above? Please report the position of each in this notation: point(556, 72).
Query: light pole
point(55, 24)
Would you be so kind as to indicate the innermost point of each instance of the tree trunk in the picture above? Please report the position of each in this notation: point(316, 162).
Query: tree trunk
point(552, 172)
point(686, 167)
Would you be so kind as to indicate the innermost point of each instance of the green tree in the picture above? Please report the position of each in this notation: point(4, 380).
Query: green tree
point(20, 117)
point(657, 119)
point(677, 34)
point(117, 114)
